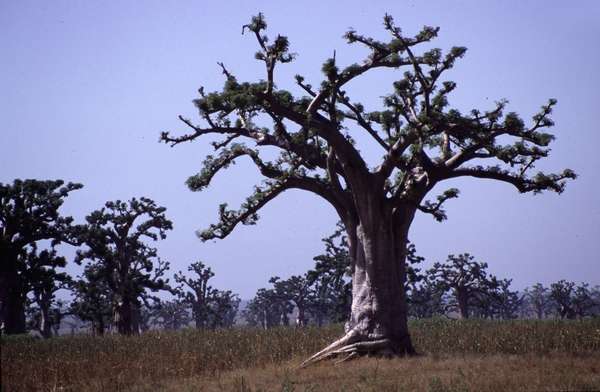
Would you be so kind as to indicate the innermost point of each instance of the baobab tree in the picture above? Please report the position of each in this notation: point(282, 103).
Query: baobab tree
point(267, 309)
point(47, 282)
point(211, 308)
point(195, 291)
point(464, 278)
point(29, 212)
point(298, 291)
point(92, 300)
point(330, 279)
point(172, 315)
point(422, 141)
point(114, 244)
point(538, 300)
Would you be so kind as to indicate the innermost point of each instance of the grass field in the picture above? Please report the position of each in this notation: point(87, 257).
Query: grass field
point(468, 355)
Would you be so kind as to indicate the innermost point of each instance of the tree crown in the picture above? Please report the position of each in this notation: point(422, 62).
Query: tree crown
point(423, 140)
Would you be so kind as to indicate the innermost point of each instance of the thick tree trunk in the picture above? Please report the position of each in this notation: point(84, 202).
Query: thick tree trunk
point(12, 296)
point(378, 324)
point(13, 316)
point(379, 308)
point(13, 306)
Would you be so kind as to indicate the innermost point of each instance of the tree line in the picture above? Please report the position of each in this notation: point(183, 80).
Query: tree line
point(123, 273)
point(460, 287)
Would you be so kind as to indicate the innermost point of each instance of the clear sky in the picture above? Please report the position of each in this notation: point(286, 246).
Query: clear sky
point(87, 86)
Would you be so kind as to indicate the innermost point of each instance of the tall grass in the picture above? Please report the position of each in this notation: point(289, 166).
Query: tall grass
point(117, 362)
point(476, 336)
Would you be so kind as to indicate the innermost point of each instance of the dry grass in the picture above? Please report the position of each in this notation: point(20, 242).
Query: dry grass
point(471, 355)
point(448, 373)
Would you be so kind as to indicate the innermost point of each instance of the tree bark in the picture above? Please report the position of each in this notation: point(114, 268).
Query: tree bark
point(379, 308)
point(12, 298)
point(301, 321)
point(463, 303)
point(123, 316)
point(98, 326)
point(45, 322)
point(13, 309)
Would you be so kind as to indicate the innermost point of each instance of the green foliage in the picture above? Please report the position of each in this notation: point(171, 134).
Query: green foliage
point(29, 212)
point(424, 141)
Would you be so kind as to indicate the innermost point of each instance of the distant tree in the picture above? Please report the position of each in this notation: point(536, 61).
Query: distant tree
point(413, 273)
point(583, 300)
point(146, 315)
point(196, 291)
point(55, 318)
point(426, 300)
point(173, 314)
point(48, 311)
point(330, 279)
point(505, 303)
point(255, 313)
point(561, 293)
point(211, 308)
point(595, 293)
point(464, 278)
point(224, 306)
point(28, 214)
point(538, 299)
point(422, 141)
point(129, 266)
point(267, 309)
point(92, 300)
point(296, 290)
point(572, 300)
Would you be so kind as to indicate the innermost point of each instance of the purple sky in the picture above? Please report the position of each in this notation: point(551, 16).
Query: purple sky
point(88, 86)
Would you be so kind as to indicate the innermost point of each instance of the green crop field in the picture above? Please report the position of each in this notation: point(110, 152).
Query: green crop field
point(454, 356)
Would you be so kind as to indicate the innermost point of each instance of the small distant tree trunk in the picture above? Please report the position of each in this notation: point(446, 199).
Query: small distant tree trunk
point(285, 320)
point(301, 316)
point(463, 303)
point(123, 316)
point(540, 312)
point(320, 317)
point(45, 322)
point(98, 326)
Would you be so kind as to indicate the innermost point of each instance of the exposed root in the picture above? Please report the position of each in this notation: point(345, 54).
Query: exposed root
point(352, 345)
point(349, 338)
point(349, 357)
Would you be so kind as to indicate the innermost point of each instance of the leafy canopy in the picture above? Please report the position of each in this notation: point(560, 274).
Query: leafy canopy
point(422, 139)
